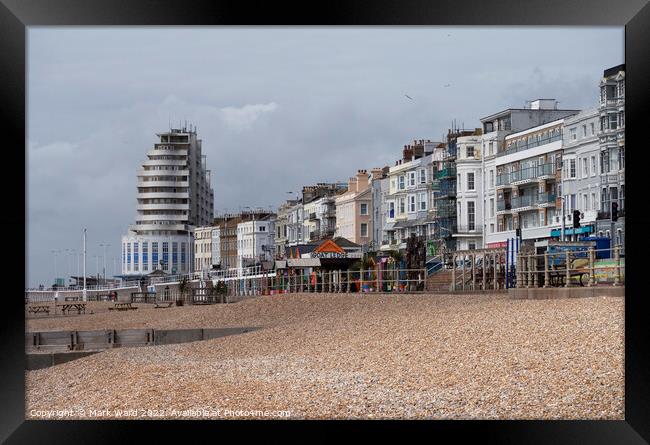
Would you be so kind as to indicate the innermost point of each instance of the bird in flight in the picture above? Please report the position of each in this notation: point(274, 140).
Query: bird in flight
point(408, 96)
point(448, 85)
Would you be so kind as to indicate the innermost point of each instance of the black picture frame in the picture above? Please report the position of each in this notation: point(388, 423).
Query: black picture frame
point(16, 15)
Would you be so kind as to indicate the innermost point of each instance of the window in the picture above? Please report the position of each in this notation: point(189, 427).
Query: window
point(584, 131)
point(411, 179)
point(621, 157)
point(593, 128)
point(174, 254)
point(470, 152)
point(491, 178)
point(391, 209)
point(593, 166)
point(364, 229)
point(401, 183)
point(471, 246)
point(470, 181)
point(491, 151)
point(423, 201)
point(135, 256)
point(459, 182)
point(572, 134)
point(411, 203)
point(128, 255)
point(491, 228)
point(154, 255)
point(621, 204)
point(613, 120)
point(471, 215)
point(585, 167)
point(145, 256)
point(183, 246)
point(401, 206)
point(423, 176)
point(604, 161)
point(364, 208)
point(594, 205)
point(572, 168)
point(585, 202)
point(491, 207)
point(166, 256)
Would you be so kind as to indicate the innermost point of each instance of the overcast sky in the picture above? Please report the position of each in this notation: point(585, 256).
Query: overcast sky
point(276, 108)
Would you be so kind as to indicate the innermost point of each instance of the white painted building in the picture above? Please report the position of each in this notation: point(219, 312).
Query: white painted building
point(410, 198)
point(203, 249)
point(580, 171)
point(174, 195)
point(255, 241)
point(495, 129)
point(469, 193)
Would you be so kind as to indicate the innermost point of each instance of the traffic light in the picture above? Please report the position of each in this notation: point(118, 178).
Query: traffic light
point(614, 211)
point(576, 219)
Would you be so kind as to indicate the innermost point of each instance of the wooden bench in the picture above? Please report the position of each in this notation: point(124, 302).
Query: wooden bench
point(163, 304)
point(122, 307)
point(67, 307)
point(35, 309)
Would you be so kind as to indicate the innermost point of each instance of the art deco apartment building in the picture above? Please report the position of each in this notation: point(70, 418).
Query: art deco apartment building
point(174, 196)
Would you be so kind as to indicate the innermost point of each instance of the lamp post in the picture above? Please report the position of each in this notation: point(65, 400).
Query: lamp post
point(104, 271)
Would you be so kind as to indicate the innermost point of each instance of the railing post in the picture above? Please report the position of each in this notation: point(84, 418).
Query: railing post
point(347, 287)
point(546, 274)
point(360, 280)
point(453, 272)
point(495, 283)
point(473, 258)
point(592, 280)
point(483, 270)
point(533, 267)
point(617, 271)
point(463, 278)
point(520, 272)
point(527, 261)
point(568, 269)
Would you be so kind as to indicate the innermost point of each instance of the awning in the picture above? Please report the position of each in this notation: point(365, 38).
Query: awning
point(389, 226)
point(303, 262)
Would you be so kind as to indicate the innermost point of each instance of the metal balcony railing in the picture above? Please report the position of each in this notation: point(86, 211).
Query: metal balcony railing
point(521, 146)
point(546, 198)
point(503, 179)
point(503, 205)
point(523, 201)
point(447, 172)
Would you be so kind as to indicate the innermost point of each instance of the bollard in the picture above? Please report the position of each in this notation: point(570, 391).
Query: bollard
point(546, 274)
point(568, 271)
point(617, 271)
point(591, 281)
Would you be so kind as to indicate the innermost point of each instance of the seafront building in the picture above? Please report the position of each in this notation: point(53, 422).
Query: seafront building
point(469, 192)
point(409, 195)
point(580, 187)
point(203, 249)
point(495, 129)
point(354, 212)
point(380, 186)
point(174, 196)
point(255, 240)
point(612, 151)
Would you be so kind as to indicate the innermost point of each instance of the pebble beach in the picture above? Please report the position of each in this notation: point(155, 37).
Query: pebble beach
point(338, 356)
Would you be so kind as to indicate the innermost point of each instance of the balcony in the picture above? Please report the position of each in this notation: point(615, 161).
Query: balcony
point(521, 202)
point(523, 176)
point(312, 216)
point(448, 172)
point(546, 199)
point(521, 146)
point(546, 170)
point(466, 229)
point(503, 180)
point(503, 205)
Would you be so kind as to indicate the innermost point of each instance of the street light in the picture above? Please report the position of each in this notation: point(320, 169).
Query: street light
point(55, 252)
point(104, 271)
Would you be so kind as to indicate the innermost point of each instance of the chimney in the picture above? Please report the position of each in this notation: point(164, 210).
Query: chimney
point(352, 185)
point(362, 180)
point(407, 154)
point(377, 173)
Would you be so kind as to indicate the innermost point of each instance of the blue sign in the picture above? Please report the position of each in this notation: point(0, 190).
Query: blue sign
point(578, 231)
